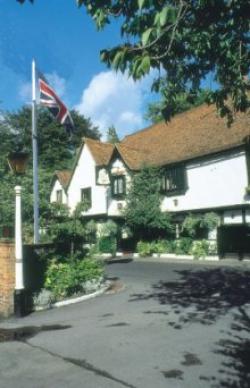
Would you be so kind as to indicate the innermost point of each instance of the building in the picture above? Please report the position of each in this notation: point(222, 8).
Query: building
point(205, 164)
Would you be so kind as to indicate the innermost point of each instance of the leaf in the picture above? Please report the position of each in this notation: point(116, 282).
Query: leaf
point(145, 36)
point(145, 64)
point(118, 59)
point(103, 55)
point(171, 15)
point(163, 16)
point(157, 18)
point(140, 3)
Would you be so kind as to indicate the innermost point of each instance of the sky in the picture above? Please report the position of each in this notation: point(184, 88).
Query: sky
point(65, 44)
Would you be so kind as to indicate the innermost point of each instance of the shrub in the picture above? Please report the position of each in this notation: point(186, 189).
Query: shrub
point(190, 225)
point(90, 231)
point(210, 220)
point(144, 248)
point(183, 246)
point(163, 246)
point(107, 245)
point(194, 223)
point(143, 205)
point(158, 246)
point(107, 229)
point(200, 249)
point(66, 279)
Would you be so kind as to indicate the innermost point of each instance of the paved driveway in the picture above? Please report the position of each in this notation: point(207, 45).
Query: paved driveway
point(173, 325)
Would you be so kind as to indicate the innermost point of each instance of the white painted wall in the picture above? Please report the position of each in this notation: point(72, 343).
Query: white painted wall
point(83, 177)
point(116, 206)
point(233, 217)
point(217, 182)
point(57, 186)
point(214, 183)
point(248, 216)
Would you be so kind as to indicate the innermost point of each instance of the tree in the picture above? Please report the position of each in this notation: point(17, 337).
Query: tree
point(157, 110)
point(143, 213)
point(56, 151)
point(185, 40)
point(112, 136)
point(55, 147)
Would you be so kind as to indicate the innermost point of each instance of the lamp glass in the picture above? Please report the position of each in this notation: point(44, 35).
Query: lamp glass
point(18, 162)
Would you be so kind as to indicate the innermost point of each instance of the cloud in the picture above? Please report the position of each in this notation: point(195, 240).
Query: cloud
point(114, 99)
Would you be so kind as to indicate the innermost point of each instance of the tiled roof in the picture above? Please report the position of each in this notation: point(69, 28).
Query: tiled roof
point(63, 177)
point(134, 158)
point(101, 152)
point(191, 134)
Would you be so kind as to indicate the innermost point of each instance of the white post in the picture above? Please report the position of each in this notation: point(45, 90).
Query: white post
point(19, 285)
point(35, 157)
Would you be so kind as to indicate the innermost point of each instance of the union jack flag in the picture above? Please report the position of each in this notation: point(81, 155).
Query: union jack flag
point(50, 99)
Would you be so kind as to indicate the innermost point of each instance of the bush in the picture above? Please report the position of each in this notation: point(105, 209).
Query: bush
point(183, 246)
point(158, 246)
point(200, 249)
point(163, 246)
point(193, 225)
point(107, 245)
point(107, 229)
point(90, 231)
point(68, 278)
point(144, 248)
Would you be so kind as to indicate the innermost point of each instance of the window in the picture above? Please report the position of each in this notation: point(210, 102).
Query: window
point(59, 196)
point(118, 186)
point(173, 180)
point(86, 197)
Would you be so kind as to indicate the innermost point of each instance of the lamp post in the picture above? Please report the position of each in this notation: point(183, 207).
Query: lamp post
point(17, 162)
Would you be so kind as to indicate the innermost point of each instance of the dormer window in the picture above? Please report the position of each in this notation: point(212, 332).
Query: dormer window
point(118, 186)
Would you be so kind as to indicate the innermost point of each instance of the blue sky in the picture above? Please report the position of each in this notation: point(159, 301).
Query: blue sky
point(65, 44)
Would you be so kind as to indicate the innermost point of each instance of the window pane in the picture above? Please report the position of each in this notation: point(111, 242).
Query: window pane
point(118, 185)
point(173, 179)
point(59, 196)
point(86, 196)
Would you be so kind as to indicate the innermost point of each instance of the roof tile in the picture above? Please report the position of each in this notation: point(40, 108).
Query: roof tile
point(63, 177)
point(197, 132)
point(101, 152)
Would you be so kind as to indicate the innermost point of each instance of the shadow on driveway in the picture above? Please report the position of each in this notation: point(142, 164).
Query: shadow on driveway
point(204, 296)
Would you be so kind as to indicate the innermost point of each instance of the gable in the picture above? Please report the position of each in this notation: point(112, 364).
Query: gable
point(101, 152)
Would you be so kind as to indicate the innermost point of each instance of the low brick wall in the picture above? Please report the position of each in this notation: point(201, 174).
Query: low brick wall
point(7, 278)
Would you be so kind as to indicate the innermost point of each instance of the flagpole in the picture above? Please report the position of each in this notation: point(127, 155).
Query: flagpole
point(35, 157)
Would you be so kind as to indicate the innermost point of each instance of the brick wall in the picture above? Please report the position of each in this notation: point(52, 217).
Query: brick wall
point(7, 278)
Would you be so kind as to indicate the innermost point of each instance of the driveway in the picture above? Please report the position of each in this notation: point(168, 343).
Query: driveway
point(162, 325)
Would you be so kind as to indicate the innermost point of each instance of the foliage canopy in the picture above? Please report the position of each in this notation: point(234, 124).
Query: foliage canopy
point(56, 151)
point(185, 41)
point(143, 213)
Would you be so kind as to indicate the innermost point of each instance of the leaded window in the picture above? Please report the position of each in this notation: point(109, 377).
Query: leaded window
point(86, 196)
point(118, 186)
point(59, 196)
point(173, 180)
